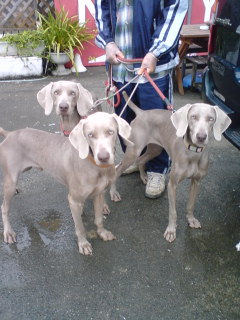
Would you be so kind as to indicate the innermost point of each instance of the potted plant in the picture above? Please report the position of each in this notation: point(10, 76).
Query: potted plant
point(63, 34)
point(6, 48)
point(26, 43)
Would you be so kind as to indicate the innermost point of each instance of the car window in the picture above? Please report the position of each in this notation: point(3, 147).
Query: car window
point(228, 45)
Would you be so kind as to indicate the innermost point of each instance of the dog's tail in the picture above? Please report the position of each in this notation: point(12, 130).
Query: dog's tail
point(132, 105)
point(4, 133)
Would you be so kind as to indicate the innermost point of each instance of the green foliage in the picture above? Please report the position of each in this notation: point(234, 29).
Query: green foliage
point(63, 34)
point(25, 41)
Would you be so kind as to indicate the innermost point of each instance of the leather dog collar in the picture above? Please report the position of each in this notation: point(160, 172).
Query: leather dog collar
point(91, 159)
point(191, 147)
point(67, 132)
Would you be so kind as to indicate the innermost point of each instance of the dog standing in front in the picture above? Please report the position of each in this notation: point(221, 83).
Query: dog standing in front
point(185, 136)
point(84, 163)
point(72, 102)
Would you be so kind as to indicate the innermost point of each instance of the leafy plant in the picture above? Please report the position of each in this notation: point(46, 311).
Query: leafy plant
point(63, 34)
point(25, 41)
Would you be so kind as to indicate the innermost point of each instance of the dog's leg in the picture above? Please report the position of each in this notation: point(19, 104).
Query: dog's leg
point(77, 209)
point(193, 222)
point(9, 190)
point(106, 209)
point(98, 203)
point(129, 158)
point(152, 151)
point(170, 233)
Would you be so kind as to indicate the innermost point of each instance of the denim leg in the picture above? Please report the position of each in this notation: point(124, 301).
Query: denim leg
point(149, 99)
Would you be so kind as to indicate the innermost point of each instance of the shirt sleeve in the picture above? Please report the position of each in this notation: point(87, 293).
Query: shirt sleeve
point(168, 26)
point(103, 23)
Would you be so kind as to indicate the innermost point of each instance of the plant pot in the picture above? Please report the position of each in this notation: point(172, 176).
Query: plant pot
point(78, 67)
point(31, 52)
point(14, 67)
point(60, 59)
point(7, 49)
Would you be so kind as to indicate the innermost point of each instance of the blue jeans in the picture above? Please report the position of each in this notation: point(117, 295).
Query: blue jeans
point(146, 98)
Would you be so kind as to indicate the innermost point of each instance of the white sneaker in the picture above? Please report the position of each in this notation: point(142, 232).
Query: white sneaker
point(156, 183)
point(131, 169)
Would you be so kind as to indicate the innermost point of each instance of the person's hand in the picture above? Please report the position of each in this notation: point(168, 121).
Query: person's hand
point(112, 51)
point(149, 63)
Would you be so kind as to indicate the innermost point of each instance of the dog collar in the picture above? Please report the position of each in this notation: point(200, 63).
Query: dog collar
point(192, 148)
point(67, 132)
point(104, 166)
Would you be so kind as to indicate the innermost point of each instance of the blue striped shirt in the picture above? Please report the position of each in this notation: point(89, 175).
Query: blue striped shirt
point(157, 25)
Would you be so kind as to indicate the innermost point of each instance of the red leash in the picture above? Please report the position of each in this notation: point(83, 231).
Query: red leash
point(165, 99)
point(114, 90)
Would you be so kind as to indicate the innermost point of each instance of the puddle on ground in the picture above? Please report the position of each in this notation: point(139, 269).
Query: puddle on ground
point(23, 240)
point(41, 231)
point(92, 234)
point(44, 238)
point(50, 223)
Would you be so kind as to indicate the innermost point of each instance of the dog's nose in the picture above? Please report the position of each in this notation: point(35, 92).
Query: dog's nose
point(201, 137)
point(63, 106)
point(103, 156)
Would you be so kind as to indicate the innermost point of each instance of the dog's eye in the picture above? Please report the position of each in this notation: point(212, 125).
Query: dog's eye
point(194, 117)
point(110, 132)
point(72, 93)
point(211, 119)
point(90, 135)
point(56, 92)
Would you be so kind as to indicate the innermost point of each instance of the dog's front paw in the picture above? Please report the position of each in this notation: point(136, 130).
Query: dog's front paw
point(170, 234)
point(194, 223)
point(9, 236)
point(106, 209)
point(106, 235)
point(85, 247)
point(115, 196)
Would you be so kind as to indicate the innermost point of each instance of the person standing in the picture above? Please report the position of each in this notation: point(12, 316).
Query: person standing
point(147, 29)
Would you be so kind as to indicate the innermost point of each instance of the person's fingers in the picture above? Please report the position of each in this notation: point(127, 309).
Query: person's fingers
point(112, 51)
point(120, 54)
point(140, 71)
point(148, 64)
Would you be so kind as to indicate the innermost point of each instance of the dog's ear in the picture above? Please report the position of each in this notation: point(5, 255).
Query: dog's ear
point(221, 124)
point(78, 140)
point(44, 98)
point(180, 121)
point(124, 128)
point(85, 101)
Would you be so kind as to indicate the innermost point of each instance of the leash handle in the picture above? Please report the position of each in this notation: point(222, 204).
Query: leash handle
point(148, 77)
point(129, 61)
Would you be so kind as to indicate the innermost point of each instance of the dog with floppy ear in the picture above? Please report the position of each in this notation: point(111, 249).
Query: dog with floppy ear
point(70, 100)
point(90, 139)
point(84, 163)
point(182, 120)
point(185, 136)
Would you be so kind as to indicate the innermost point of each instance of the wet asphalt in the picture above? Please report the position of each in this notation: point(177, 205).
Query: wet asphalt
point(139, 276)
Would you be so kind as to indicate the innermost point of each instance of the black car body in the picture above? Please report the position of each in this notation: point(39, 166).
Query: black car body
point(221, 81)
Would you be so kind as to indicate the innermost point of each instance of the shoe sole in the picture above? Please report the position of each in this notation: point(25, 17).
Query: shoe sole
point(153, 196)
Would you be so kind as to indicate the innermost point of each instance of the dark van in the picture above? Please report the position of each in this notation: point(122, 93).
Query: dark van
point(221, 81)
